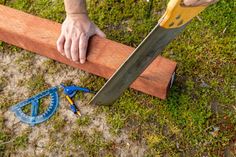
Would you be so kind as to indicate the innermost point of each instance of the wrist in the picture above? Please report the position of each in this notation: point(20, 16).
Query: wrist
point(75, 6)
point(82, 12)
point(77, 15)
point(83, 18)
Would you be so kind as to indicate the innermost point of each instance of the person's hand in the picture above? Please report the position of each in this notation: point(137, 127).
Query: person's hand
point(75, 33)
point(199, 2)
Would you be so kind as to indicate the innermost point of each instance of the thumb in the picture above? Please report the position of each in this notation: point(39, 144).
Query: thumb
point(100, 33)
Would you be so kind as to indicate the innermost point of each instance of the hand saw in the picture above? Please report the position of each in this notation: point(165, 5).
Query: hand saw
point(174, 20)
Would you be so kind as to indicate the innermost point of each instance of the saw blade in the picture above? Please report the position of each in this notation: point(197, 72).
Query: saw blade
point(174, 20)
point(136, 63)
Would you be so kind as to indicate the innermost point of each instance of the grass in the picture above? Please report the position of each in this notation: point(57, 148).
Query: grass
point(202, 98)
point(3, 82)
point(25, 61)
point(21, 141)
point(51, 67)
point(9, 145)
point(84, 121)
point(36, 83)
point(93, 145)
point(58, 124)
point(6, 101)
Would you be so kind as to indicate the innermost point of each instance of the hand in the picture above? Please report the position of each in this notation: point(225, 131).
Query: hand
point(199, 2)
point(75, 33)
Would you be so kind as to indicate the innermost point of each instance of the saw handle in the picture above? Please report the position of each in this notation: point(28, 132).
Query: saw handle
point(177, 14)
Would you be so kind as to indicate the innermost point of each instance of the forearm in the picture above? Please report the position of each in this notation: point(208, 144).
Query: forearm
point(75, 6)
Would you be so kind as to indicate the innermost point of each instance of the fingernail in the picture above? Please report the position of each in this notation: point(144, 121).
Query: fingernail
point(74, 60)
point(82, 61)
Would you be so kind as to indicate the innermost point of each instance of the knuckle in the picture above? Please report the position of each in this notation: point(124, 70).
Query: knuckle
point(84, 45)
point(75, 35)
point(67, 49)
point(67, 30)
point(85, 35)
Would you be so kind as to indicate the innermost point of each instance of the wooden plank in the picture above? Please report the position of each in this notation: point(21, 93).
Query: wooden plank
point(104, 56)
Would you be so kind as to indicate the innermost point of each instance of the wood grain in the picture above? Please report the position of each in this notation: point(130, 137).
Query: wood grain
point(104, 56)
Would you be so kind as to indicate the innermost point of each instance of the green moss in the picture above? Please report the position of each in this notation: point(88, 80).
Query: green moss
point(25, 61)
point(117, 123)
point(83, 121)
point(1, 122)
point(43, 106)
point(36, 84)
point(4, 137)
point(92, 82)
point(2, 1)
point(9, 142)
point(1, 45)
point(26, 56)
point(6, 101)
point(21, 141)
point(3, 82)
point(27, 110)
point(8, 49)
point(51, 9)
point(205, 53)
point(21, 4)
point(51, 66)
point(58, 122)
point(93, 145)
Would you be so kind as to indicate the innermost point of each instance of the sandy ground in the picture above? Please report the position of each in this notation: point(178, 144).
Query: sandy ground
point(41, 138)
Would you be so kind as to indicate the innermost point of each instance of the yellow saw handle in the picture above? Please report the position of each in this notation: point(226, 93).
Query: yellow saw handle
point(177, 14)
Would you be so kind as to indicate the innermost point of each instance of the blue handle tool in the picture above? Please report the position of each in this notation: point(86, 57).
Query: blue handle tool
point(71, 90)
point(73, 108)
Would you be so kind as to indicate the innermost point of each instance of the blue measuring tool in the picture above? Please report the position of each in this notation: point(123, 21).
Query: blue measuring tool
point(34, 101)
point(70, 92)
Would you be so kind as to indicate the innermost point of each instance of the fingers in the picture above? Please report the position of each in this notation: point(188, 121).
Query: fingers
point(100, 33)
point(83, 44)
point(74, 49)
point(67, 47)
point(60, 44)
point(75, 33)
point(199, 2)
point(205, 2)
